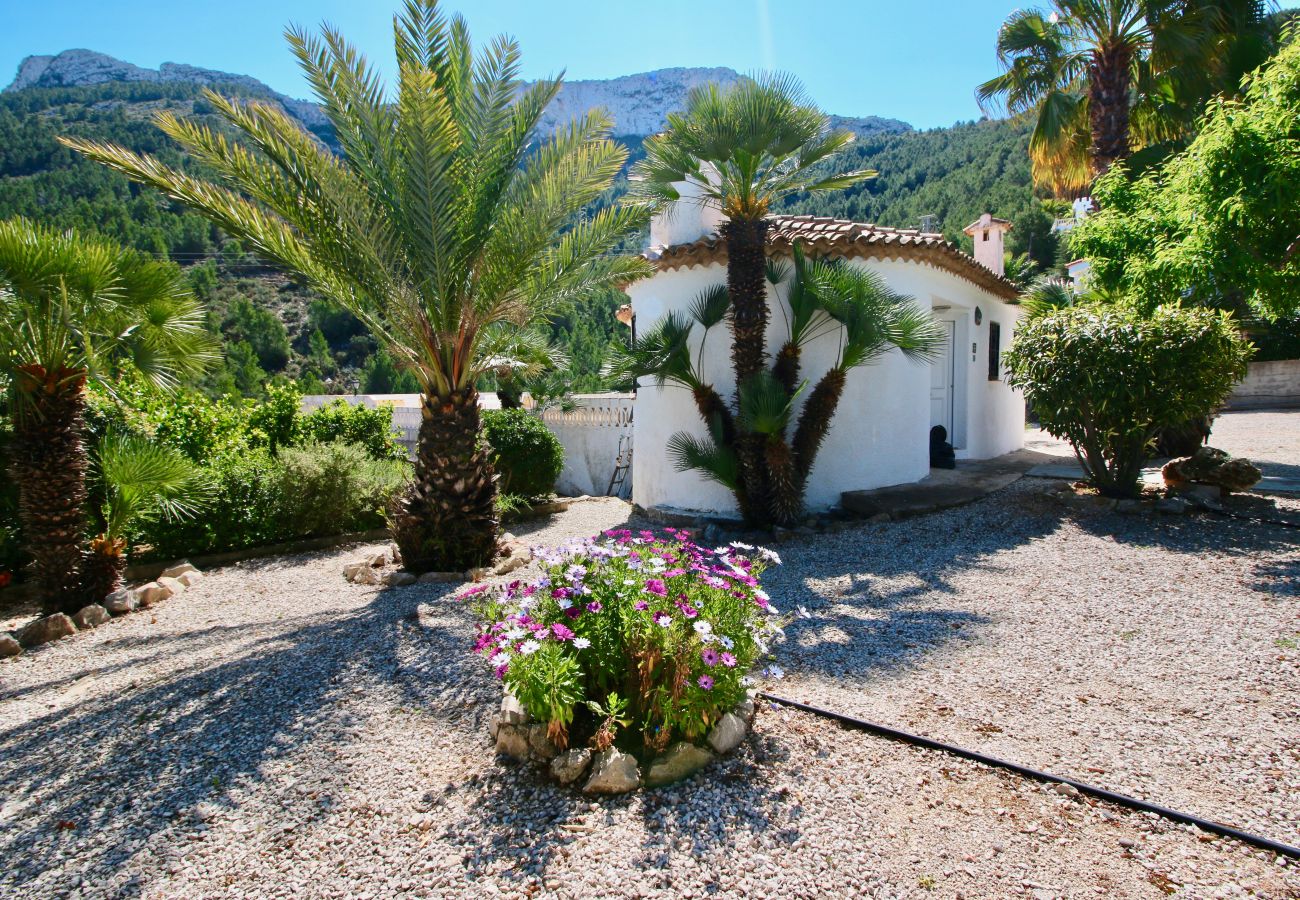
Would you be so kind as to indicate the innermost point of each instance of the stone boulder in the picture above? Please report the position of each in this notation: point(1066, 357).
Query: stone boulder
point(682, 760)
point(398, 579)
point(570, 765)
point(613, 772)
point(177, 570)
point(540, 742)
point(9, 646)
point(50, 628)
point(189, 579)
point(512, 740)
point(152, 593)
point(728, 733)
point(172, 584)
point(120, 602)
point(1211, 466)
point(91, 616)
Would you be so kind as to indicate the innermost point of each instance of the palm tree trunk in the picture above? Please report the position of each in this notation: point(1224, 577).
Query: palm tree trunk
point(447, 521)
point(815, 421)
point(1109, 81)
point(747, 286)
point(48, 461)
point(786, 497)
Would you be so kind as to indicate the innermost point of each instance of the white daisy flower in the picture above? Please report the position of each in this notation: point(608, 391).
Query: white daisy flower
point(702, 627)
point(530, 647)
point(581, 643)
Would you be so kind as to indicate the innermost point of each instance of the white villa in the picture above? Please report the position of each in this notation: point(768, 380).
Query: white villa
point(880, 435)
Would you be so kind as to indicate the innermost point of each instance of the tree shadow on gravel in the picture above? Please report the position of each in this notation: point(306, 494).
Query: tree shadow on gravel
point(860, 584)
point(1247, 532)
point(101, 780)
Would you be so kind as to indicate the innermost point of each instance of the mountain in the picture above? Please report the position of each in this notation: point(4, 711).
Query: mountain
point(83, 68)
point(638, 104)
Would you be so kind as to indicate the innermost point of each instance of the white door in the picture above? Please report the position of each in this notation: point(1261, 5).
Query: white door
point(942, 377)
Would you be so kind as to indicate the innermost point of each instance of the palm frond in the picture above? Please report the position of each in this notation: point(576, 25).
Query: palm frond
point(708, 456)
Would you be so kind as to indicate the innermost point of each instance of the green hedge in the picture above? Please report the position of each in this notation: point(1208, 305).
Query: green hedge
point(527, 457)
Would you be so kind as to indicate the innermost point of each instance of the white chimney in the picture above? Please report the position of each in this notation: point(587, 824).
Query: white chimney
point(987, 232)
point(686, 219)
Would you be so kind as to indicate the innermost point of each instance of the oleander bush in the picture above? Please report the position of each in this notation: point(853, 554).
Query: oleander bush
point(637, 640)
point(1110, 378)
point(527, 457)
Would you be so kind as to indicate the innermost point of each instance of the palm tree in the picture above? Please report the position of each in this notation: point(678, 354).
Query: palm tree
point(446, 216)
point(141, 481)
point(824, 297)
point(71, 310)
point(1100, 77)
point(744, 148)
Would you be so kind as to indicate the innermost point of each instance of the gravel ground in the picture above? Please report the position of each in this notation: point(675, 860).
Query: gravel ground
point(277, 732)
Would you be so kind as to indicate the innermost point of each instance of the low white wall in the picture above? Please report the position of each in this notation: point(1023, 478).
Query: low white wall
point(590, 434)
point(880, 435)
point(1267, 385)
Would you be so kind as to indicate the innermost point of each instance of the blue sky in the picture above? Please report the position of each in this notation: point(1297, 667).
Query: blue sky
point(916, 61)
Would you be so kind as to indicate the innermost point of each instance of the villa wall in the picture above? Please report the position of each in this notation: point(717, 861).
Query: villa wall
point(1268, 385)
point(592, 434)
point(880, 435)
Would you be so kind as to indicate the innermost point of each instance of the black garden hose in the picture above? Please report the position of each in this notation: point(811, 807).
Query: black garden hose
point(1082, 787)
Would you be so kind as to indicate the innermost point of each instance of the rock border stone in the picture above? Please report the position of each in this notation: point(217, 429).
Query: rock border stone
point(516, 734)
point(92, 615)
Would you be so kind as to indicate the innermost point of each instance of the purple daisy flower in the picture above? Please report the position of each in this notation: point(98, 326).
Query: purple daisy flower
point(641, 604)
point(710, 656)
point(656, 586)
point(594, 606)
point(561, 631)
point(729, 660)
point(705, 682)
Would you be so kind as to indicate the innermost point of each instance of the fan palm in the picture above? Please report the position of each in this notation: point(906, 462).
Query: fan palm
point(71, 310)
point(744, 148)
point(141, 481)
point(444, 217)
point(1101, 77)
point(824, 298)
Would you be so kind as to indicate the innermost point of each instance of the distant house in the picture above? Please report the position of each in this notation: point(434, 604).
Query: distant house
point(880, 435)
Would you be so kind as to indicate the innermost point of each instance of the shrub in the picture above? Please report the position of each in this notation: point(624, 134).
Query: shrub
point(347, 489)
point(527, 457)
point(371, 429)
point(654, 633)
point(1108, 379)
point(245, 510)
point(259, 499)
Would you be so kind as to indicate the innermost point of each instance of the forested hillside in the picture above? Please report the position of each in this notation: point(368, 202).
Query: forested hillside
point(273, 329)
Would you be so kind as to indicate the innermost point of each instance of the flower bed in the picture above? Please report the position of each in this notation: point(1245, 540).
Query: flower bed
point(638, 646)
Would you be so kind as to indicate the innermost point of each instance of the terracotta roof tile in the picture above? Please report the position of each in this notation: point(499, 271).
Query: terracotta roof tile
point(824, 236)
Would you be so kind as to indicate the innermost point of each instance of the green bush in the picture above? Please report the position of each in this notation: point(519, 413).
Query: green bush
point(259, 499)
point(527, 457)
point(245, 510)
point(346, 490)
point(368, 428)
point(1109, 378)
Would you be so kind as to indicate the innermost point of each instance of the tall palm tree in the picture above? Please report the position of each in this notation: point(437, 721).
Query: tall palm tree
point(445, 216)
point(72, 310)
point(744, 148)
point(1103, 77)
